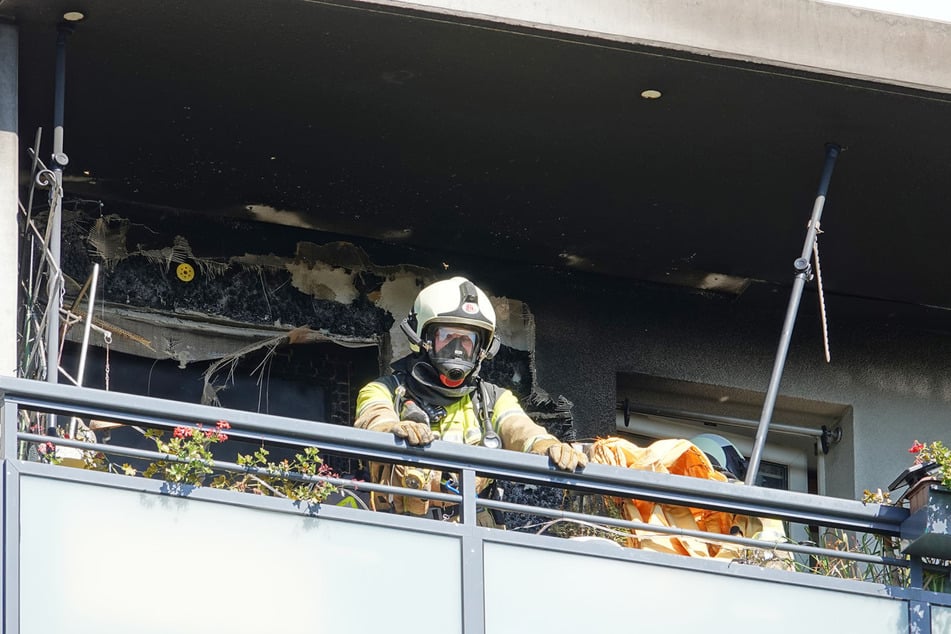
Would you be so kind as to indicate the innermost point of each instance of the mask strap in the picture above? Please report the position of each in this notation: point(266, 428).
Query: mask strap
point(493, 348)
point(410, 333)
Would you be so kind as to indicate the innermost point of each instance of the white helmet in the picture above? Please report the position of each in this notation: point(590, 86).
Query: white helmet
point(723, 455)
point(445, 311)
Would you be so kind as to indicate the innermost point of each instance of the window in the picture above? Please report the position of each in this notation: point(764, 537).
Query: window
point(785, 463)
point(800, 431)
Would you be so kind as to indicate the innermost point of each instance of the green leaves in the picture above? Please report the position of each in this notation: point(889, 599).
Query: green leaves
point(936, 452)
point(289, 478)
point(187, 460)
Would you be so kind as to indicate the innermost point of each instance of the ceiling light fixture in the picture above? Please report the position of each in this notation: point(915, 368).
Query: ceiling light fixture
point(650, 93)
point(74, 16)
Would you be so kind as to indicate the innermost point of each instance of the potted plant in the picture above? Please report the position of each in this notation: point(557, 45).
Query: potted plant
point(929, 500)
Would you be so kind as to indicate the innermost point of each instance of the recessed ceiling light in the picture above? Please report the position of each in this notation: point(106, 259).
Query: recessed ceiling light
point(74, 16)
point(650, 93)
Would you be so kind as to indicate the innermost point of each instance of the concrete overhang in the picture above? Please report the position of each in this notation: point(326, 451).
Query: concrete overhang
point(518, 131)
point(820, 37)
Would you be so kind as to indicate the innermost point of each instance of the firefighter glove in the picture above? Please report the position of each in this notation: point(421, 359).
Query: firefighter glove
point(562, 454)
point(414, 433)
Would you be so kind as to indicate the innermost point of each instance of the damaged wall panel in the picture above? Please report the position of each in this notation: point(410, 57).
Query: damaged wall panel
point(194, 289)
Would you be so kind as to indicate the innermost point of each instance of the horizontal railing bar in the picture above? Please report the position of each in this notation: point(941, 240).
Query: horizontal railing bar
point(224, 465)
point(501, 464)
point(512, 507)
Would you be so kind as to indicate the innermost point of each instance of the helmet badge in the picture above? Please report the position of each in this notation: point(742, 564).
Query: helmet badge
point(470, 308)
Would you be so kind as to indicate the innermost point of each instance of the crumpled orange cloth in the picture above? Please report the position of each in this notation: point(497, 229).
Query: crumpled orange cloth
point(679, 457)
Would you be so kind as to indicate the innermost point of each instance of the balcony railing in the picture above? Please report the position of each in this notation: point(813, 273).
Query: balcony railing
point(87, 551)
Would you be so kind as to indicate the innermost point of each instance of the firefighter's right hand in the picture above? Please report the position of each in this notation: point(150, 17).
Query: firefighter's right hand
point(414, 433)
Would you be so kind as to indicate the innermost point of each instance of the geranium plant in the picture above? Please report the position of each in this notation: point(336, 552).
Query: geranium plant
point(189, 462)
point(934, 452)
point(192, 448)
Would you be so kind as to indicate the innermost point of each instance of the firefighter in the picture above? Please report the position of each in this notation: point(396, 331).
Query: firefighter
point(436, 392)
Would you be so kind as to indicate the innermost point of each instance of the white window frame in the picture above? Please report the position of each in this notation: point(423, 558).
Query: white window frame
point(792, 457)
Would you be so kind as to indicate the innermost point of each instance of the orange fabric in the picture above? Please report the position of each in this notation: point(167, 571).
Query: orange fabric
point(679, 457)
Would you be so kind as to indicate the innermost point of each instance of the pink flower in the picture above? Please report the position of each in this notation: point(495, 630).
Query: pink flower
point(183, 432)
point(223, 424)
point(916, 447)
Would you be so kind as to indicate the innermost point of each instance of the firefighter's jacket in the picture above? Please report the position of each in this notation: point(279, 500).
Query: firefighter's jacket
point(377, 404)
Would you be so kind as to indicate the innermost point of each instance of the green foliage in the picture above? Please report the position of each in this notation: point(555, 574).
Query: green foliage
point(292, 479)
point(935, 572)
point(936, 452)
point(837, 539)
point(189, 453)
point(188, 461)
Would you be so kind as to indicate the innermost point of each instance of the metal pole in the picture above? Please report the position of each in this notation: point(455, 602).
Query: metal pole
point(81, 372)
point(55, 216)
point(803, 273)
point(92, 306)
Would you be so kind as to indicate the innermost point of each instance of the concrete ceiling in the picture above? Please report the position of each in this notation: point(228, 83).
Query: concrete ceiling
point(493, 140)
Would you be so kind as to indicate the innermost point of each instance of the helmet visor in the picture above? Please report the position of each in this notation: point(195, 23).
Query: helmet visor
point(453, 342)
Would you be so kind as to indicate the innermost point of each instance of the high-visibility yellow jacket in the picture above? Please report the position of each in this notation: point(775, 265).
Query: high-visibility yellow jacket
point(377, 402)
point(377, 406)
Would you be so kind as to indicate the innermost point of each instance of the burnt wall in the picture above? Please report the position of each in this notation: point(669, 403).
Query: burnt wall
point(239, 273)
point(140, 255)
point(890, 363)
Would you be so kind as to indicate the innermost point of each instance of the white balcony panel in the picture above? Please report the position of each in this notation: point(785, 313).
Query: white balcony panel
point(940, 619)
point(564, 592)
point(112, 561)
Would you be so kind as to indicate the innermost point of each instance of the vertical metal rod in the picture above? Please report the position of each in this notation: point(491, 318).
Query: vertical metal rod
point(919, 617)
point(10, 526)
point(55, 215)
point(80, 373)
point(916, 572)
point(803, 272)
point(473, 564)
point(469, 495)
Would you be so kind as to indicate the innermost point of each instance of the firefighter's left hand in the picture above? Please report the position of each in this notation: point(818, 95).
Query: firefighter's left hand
point(567, 457)
point(562, 454)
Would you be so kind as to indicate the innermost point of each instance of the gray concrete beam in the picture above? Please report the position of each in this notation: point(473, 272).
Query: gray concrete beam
point(9, 152)
point(807, 35)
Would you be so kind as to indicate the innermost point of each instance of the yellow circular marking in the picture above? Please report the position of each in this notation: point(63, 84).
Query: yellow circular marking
point(185, 272)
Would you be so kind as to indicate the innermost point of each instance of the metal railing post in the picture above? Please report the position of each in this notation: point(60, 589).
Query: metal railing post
point(9, 425)
point(473, 567)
